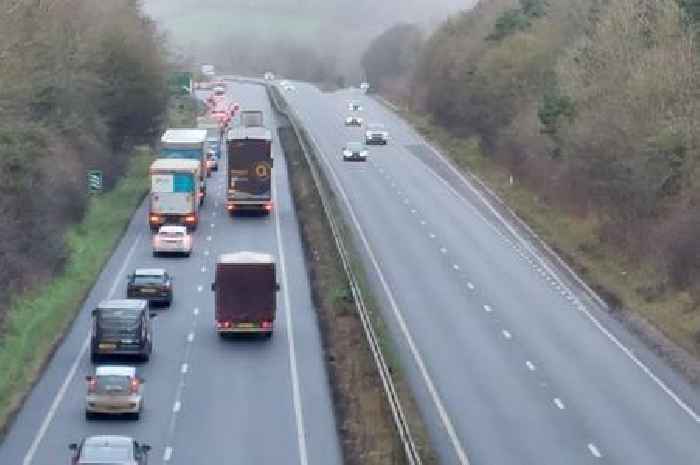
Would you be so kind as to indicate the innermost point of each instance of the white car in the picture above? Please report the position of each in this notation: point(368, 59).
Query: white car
point(284, 83)
point(289, 88)
point(113, 450)
point(364, 86)
point(354, 121)
point(219, 89)
point(354, 151)
point(172, 240)
point(114, 390)
point(376, 134)
point(269, 76)
point(354, 106)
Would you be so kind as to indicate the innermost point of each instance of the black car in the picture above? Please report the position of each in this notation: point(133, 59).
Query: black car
point(121, 327)
point(113, 450)
point(153, 284)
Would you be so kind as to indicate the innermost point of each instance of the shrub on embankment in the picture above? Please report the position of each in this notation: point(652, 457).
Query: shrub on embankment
point(81, 82)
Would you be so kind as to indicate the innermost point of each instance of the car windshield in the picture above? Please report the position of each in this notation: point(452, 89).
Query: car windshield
point(142, 279)
point(106, 453)
point(112, 384)
point(118, 318)
point(354, 146)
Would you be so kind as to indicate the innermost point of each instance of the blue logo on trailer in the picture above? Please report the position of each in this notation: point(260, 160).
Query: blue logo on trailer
point(183, 182)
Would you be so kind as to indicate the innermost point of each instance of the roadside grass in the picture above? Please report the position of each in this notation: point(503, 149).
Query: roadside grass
point(37, 321)
point(632, 289)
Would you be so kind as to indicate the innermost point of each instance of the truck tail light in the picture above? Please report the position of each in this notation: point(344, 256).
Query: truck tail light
point(223, 324)
point(189, 219)
point(154, 219)
point(266, 325)
point(134, 386)
point(229, 207)
point(268, 206)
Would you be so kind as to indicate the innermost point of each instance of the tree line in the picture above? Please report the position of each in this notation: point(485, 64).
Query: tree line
point(81, 82)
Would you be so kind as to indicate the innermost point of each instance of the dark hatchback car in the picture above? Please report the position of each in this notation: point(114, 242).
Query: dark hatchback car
point(152, 284)
point(121, 327)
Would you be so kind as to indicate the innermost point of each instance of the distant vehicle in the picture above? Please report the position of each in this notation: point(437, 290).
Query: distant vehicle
point(153, 284)
point(269, 76)
point(289, 88)
point(249, 176)
point(208, 70)
point(212, 163)
point(376, 134)
point(284, 83)
point(354, 121)
point(252, 119)
point(187, 143)
point(354, 151)
point(109, 450)
point(219, 88)
point(172, 240)
point(121, 327)
point(354, 106)
point(245, 290)
point(114, 390)
point(174, 196)
point(364, 86)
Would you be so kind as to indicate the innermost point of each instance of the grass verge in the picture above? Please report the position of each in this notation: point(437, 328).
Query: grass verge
point(667, 321)
point(37, 321)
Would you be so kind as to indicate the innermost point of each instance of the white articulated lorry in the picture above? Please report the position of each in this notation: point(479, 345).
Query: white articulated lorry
point(174, 198)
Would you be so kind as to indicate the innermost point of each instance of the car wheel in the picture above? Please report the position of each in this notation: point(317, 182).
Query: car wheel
point(268, 335)
point(89, 415)
point(136, 415)
point(155, 254)
point(94, 358)
point(187, 254)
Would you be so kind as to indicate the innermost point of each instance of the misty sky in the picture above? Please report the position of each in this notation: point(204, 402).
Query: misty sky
point(204, 29)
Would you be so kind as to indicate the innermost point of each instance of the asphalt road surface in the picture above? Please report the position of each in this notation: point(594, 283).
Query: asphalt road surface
point(509, 362)
point(207, 400)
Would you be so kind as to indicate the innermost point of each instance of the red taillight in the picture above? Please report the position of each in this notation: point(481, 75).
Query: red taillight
point(223, 324)
point(268, 207)
point(189, 219)
point(92, 384)
point(134, 387)
point(229, 207)
point(154, 219)
point(200, 194)
point(266, 325)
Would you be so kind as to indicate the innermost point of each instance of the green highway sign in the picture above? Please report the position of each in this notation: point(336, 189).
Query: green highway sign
point(180, 82)
point(94, 179)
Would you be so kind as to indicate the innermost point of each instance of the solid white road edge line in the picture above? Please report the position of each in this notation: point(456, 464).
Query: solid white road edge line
point(444, 417)
point(74, 367)
point(296, 391)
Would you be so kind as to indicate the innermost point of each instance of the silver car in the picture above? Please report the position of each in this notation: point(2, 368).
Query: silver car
point(354, 151)
point(114, 390)
point(376, 134)
point(172, 240)
point(112, 450)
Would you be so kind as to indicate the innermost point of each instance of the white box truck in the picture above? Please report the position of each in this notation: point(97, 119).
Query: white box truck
point(187, 144)
point(174, 197)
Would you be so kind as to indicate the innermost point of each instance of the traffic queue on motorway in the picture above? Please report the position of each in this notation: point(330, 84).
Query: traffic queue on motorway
point(245, 282)
point(375, 134)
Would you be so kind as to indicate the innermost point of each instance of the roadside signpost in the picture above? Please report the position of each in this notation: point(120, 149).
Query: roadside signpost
point(94, 180)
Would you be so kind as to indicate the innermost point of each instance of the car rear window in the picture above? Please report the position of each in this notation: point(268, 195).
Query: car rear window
point(354, 147)
point(143, 280)
point(118, 318)
point(112, 384)
point(106, 453)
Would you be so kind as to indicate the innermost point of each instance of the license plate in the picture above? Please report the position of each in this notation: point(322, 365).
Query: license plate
point(108, 346)
point(245, 325)
point(148, 291)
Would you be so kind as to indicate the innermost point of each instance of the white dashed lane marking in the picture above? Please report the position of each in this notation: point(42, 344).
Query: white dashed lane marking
point(206, 253)
point(470, 286)
point(208, 238)
point(183, 368)
point(443, 250)
point(196, 311)
point(200, 288)
point(456, 267)
point(204, 269)
point(422, 222)
point(167, 454)
point(530, 365)
point(190, 337)
point(177, 406)
point(594, 450)
point(506, 334)
point(488, 308)
point(559, 403)
point(432, 236)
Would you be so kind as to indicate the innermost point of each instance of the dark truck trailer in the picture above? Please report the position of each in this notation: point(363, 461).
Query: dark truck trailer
point(245, 290)
point(249, 172)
